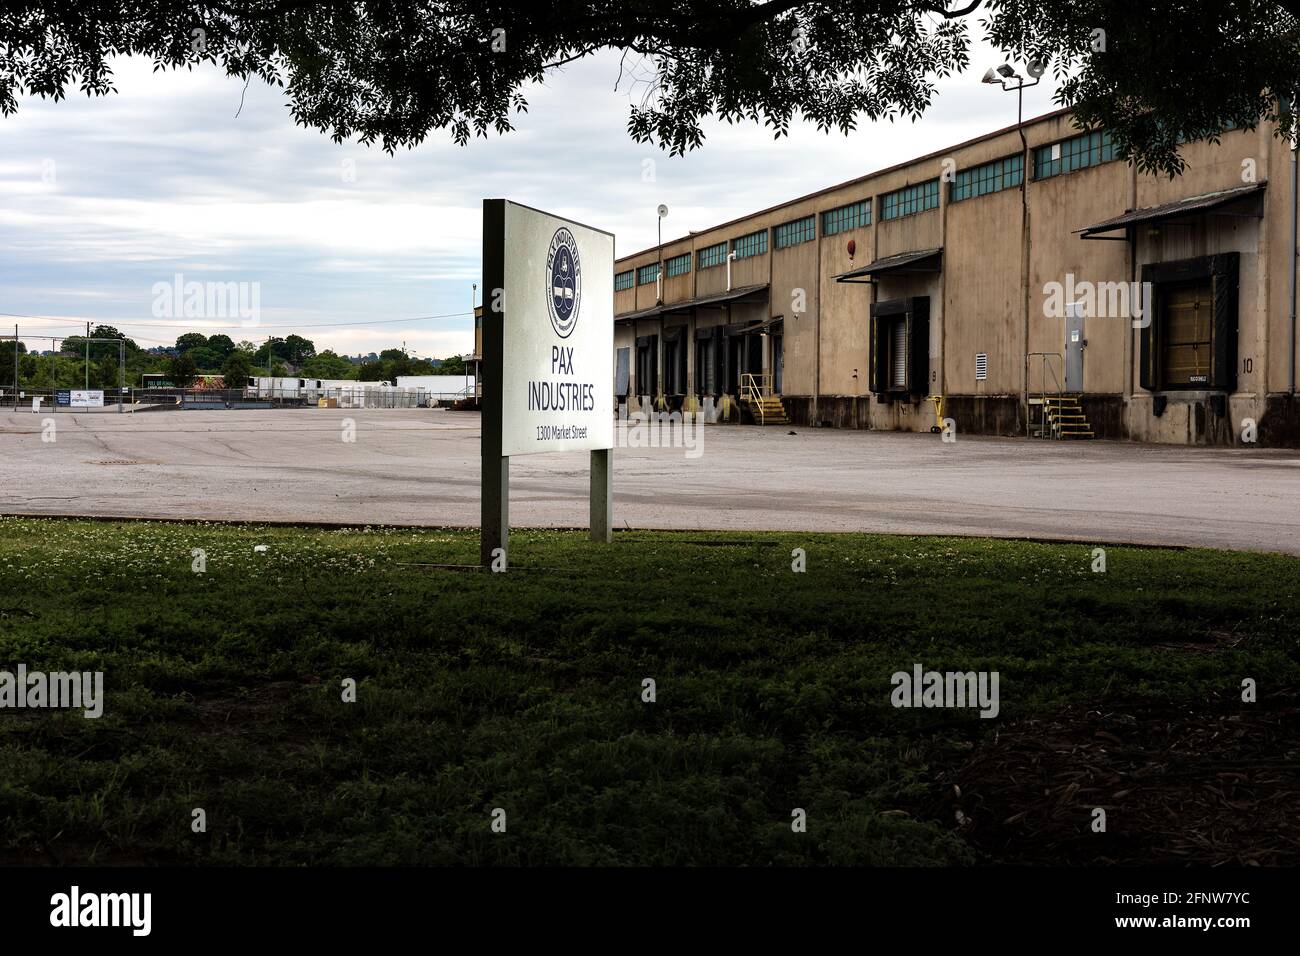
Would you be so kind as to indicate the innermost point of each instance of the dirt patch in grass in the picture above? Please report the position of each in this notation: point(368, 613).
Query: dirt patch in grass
point(1204, 783)
point(264, 714)
point(246, 710)
point(1213, 643)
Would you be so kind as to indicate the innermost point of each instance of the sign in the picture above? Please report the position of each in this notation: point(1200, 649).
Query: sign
point(548, 357)
point(93, 398)
point(63, 398)
point(558, 335)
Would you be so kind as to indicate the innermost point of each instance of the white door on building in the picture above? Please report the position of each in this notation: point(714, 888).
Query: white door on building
point(1074, 345)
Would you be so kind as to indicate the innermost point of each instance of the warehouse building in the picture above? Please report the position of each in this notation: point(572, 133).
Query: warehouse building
point(1027, 278)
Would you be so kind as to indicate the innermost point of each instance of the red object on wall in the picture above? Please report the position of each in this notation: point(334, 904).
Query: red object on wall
point(853, 247)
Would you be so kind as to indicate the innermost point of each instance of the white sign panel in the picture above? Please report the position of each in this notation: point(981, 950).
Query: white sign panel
point(88, 399)
point(558, 336)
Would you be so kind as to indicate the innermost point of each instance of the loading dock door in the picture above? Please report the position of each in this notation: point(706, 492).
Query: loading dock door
point(706, 363)
point(1192, 341)
point(674, 363)
point(778, 362)
point(647, 365)
point(898, 354)
point(899, 360)
point(1188, 339)
point(1074, 344)
point(621, 373)
point(735, 362)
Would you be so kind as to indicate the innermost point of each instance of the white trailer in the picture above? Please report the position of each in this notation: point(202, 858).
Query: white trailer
point(439, 387)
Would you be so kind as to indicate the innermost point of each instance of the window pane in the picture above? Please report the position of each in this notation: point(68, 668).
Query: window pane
point(753, 244)
point(988, 178)
point(793, 233)
point(1078, 152)
point(712, 256)
point(843, 218)
point(910, 199)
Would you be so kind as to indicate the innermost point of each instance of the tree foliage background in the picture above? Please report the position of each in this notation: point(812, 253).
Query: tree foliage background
point(390, 73)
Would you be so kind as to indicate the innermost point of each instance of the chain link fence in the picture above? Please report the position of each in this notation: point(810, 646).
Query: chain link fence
point(61, 399)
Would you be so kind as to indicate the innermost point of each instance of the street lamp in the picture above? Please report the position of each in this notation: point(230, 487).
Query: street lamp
point(1006, 77)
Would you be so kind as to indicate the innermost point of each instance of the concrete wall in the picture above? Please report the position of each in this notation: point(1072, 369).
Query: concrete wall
point(1000, 253)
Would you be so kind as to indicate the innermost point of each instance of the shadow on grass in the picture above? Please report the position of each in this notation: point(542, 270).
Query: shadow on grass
point(525, 693)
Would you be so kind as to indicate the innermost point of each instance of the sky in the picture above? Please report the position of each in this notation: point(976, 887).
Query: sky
point(112, 209)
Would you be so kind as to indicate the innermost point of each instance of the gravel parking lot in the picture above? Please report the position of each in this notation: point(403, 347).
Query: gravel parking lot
point(420, 467)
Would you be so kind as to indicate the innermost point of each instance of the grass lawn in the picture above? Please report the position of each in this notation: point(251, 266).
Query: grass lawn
point(523, 691)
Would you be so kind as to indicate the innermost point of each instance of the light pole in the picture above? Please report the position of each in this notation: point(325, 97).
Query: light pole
point(1006, 77)
point(659, 281)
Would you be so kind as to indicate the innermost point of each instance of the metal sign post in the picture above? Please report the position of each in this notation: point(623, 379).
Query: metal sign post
point(548, 357)
point(494, 538)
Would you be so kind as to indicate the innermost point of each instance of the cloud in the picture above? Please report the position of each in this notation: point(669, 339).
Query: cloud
point(102, 198)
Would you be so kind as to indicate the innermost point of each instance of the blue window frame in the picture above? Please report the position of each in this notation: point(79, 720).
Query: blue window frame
point(711, 256)
point(792, 233)
point(910, 200)
point(754, 244)
point(623, 280)
point(843, 218)
point(988, 178)
point(1079, 152)
point(678, 265)
point(647, 274)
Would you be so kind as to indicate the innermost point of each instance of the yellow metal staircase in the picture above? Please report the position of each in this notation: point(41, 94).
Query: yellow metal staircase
point(756, 394)
point(1065, 418)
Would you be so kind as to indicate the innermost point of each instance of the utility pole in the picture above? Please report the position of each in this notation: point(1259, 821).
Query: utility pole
point(1004, 76)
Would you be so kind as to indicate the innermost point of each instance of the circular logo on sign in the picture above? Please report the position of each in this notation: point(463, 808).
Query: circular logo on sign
point(564, 278)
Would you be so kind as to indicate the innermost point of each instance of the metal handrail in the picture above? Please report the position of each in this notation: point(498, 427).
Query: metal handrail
point(1042, 395)
point(757, 385)
point(753, 388)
